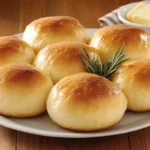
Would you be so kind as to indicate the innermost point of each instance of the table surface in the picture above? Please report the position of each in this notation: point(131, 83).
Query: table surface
point(14, 16)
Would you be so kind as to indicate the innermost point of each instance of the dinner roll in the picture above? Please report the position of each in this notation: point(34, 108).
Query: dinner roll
point(134, 80)
point(108, 39)
point(23, 90)
point(62, 59)
point(13, 49)
point(86, 102)
point(48, 30)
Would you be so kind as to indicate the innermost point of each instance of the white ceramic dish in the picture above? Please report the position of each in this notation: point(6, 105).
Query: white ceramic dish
point(122, 13)
point(43, 125)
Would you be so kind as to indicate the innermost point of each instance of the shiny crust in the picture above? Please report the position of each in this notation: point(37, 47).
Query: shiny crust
point(13, 49)
point(134, 80)
point(23, 90)
point(48, 30)
point(108, 39)
point(62, 59)
point(86, 102)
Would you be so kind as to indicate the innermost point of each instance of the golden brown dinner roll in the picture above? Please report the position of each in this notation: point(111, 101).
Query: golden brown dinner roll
point(134, 80)
point(48, 30)
point(13, 49)
point(62, 59)
point(108, 39)
point(86, 102)
point(23, 90)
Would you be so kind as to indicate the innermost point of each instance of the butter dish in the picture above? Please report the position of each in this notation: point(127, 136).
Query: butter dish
point(124, 15)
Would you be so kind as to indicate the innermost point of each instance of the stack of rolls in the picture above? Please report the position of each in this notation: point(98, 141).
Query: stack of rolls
point(43, 71)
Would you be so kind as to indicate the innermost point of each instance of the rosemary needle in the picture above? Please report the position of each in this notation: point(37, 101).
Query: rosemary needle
point(93, 65)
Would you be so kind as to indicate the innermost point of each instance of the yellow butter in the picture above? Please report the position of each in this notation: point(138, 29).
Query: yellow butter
point(140, 14)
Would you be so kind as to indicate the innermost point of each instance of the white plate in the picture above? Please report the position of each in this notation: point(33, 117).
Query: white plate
point(122, 15)
point(43, 125)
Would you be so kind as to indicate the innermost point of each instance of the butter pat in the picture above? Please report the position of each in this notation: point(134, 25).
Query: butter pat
point(140, 14)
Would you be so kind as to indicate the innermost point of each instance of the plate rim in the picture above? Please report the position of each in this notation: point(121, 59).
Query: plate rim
point(19, 127)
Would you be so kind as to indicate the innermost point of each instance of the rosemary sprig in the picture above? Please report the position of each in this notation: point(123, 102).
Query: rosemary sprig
point(93, 65)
